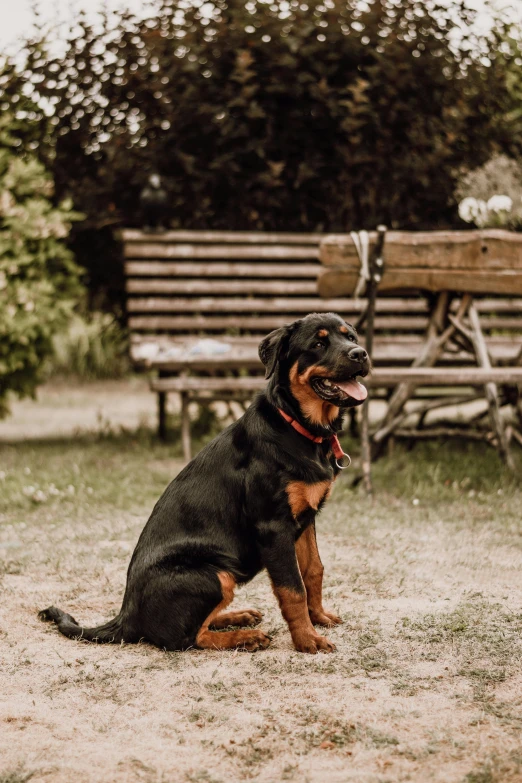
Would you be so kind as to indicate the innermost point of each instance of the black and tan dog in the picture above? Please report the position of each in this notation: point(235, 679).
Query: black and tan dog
point(248, 501)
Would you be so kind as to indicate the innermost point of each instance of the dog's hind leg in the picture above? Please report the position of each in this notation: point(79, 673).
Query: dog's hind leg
point(174, 609)
point(246, 618)
point(226, 640)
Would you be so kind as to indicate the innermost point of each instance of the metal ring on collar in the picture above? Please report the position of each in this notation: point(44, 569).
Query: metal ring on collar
point(343, 467)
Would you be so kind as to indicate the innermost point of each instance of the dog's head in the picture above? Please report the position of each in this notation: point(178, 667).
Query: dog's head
point(317, 360)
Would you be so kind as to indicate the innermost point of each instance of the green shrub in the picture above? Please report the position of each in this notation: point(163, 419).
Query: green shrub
point(39, 280)
point(92, 347)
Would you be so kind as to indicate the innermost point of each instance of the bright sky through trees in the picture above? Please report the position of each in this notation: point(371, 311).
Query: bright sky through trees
point(17, 16)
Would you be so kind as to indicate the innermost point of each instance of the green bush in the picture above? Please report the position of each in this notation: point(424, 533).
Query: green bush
point(39, 280)
point(93, 347)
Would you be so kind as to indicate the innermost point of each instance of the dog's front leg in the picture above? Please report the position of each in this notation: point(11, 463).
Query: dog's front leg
point(278, 555)
point(312, 572)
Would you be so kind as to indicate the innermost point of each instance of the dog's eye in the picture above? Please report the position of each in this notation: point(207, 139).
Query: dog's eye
point(352, 338)
point(319, 344)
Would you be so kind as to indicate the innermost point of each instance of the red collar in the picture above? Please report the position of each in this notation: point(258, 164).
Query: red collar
point(334, 440)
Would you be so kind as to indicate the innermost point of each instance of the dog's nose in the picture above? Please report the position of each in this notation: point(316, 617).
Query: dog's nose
point(358, 354)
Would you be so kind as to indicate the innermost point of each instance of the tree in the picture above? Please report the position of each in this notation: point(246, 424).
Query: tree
point(322, 115)
point(39, 280)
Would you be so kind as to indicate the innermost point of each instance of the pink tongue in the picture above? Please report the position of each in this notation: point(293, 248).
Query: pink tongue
point(353, 389)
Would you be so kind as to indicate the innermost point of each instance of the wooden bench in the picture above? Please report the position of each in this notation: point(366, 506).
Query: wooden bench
point(235, 287)
point(461, 275)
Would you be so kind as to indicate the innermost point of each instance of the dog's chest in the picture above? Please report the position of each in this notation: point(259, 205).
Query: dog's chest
point(303, 496)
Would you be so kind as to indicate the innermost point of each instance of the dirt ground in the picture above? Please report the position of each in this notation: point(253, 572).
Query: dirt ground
point(425, 685)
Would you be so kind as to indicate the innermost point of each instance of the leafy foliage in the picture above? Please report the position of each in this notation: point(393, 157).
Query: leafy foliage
point(39, 281)
point(93, 346)
point(299, 116)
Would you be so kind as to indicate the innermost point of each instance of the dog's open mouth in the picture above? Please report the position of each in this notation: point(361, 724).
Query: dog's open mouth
point(339, 391)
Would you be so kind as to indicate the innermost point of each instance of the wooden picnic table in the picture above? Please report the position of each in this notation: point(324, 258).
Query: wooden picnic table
point(448, 269)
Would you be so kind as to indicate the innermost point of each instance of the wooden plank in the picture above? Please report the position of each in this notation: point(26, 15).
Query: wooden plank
point(207, 384)
point(502, 281)
point(254, 253)
point(446, 376)
point(212, 287)
point(461, 433)
point(226, 237)
point(212, 304)
point(385, 304)
point(478, 250)
point(438, 376)
point(393, 356)
point(202, 323)
point(220, 269)
point(505, 305)
point(246, 357)
point(500, 322)
point(406, 344)
point(265, 323)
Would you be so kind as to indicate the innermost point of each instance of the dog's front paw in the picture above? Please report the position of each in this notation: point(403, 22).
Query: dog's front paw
point(313, 643)
point(328, 619)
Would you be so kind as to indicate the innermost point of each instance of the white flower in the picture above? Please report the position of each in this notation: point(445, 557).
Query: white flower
point(473, 210)
point(500, 204)
point(467, 209)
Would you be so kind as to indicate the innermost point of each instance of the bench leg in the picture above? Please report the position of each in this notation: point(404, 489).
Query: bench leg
point(185, 427)
point(162, 415)
point(491, 390)
point(437, 336)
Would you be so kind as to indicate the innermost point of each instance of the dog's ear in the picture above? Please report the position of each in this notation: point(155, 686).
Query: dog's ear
point(273, 346)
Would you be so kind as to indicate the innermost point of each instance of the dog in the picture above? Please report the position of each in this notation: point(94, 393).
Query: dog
point(247, 502)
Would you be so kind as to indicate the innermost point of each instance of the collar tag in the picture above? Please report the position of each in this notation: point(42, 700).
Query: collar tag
point(339, 454)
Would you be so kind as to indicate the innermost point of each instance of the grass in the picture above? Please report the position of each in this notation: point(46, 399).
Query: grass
point(425, 683)
point(485, 638)
point(19, 775)
point(96, 471)
point(497, 769)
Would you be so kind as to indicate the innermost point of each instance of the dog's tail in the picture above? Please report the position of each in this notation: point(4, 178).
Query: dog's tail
point(110, 633)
